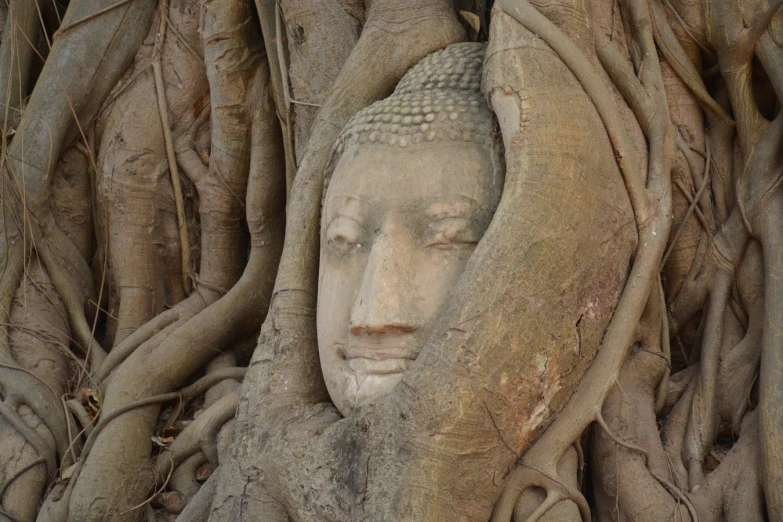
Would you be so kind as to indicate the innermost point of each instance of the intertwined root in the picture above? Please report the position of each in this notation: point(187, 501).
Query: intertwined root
point(696, 437)
point(629, 381)
point(33, 377)
point(652, 207)
point(560, 489)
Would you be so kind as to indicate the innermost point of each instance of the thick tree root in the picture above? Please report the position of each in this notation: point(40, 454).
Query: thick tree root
point(19, 387)
point(156, 330)
point(60, 510)
point(198, 509)
point(722, 311)
point(183, 478)
point(652, 209)
point(8, 411)
point(198, 436)
point(241, 108)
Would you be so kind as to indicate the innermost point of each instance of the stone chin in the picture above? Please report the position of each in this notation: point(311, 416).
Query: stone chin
point(361, 388)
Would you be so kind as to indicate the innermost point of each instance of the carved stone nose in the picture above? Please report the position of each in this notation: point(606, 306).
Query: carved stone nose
point(380, 327)
point(383, 302)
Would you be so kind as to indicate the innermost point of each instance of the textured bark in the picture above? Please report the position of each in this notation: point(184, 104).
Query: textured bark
point(163, 170)
point(452, 398)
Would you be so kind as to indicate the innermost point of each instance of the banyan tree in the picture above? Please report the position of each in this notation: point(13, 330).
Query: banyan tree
point(386, 260)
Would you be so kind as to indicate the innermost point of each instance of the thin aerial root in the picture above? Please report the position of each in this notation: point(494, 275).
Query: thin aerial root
point(186, 394)
point(599, 418)
point(686, 27)
point(671, 488)
point(81, 415)
point(551, 500)
point(289, 113)
point(679, 494)
point(691, 199)
point(163, 109)
point(666, 348)
point(524, 477)
point(694, 202)
point(71, 452)
point(18, 473)
point(73, 300)
point(527, 15)
point(675, 55)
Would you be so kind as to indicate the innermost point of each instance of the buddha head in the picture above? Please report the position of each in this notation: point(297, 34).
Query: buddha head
point(413, 184)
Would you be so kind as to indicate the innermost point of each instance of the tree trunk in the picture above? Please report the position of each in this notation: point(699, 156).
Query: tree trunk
point(164, 170)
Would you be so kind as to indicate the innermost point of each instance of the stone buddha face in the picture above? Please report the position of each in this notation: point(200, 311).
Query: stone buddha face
point(398, 227)
point(416, 181)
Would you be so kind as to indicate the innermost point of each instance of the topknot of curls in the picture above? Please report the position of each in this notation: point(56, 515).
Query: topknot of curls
point(439, 99)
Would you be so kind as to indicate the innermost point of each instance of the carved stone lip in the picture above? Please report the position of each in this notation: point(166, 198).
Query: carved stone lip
point(379, 360)
point(387, 366)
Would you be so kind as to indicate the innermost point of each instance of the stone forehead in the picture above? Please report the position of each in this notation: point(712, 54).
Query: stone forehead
point(439, 99)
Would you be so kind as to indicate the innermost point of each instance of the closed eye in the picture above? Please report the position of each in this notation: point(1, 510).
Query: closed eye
point(451, 233)
point(340, 244)
point(450, 244)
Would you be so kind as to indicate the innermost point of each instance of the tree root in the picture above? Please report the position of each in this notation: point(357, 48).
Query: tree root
point(22, 27)
point(524, 477)
point(44, 450)
point(47, 120)
point(170, 155)
point(674, 490)
point(630, 165)
point(18, 473)
point(167, 349)
point(693, 205)
point(183, 478)
point(158, 327)
point(81, 415)
point(674, 434)
point(198, 509)
point(703, 422)
point(597, 382)
point(75, 302)
point(542, 504)
point(236, 115)
point(676, 57)
point(58, 509)
point(771, 376)
point(199, 435)
point(20, 387)
point(184, 395)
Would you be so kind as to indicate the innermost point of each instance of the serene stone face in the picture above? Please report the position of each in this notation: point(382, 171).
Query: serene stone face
point(398, 227)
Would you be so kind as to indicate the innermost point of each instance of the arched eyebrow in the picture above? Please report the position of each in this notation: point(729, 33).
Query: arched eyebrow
point(341, 215)
point(349, 207)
